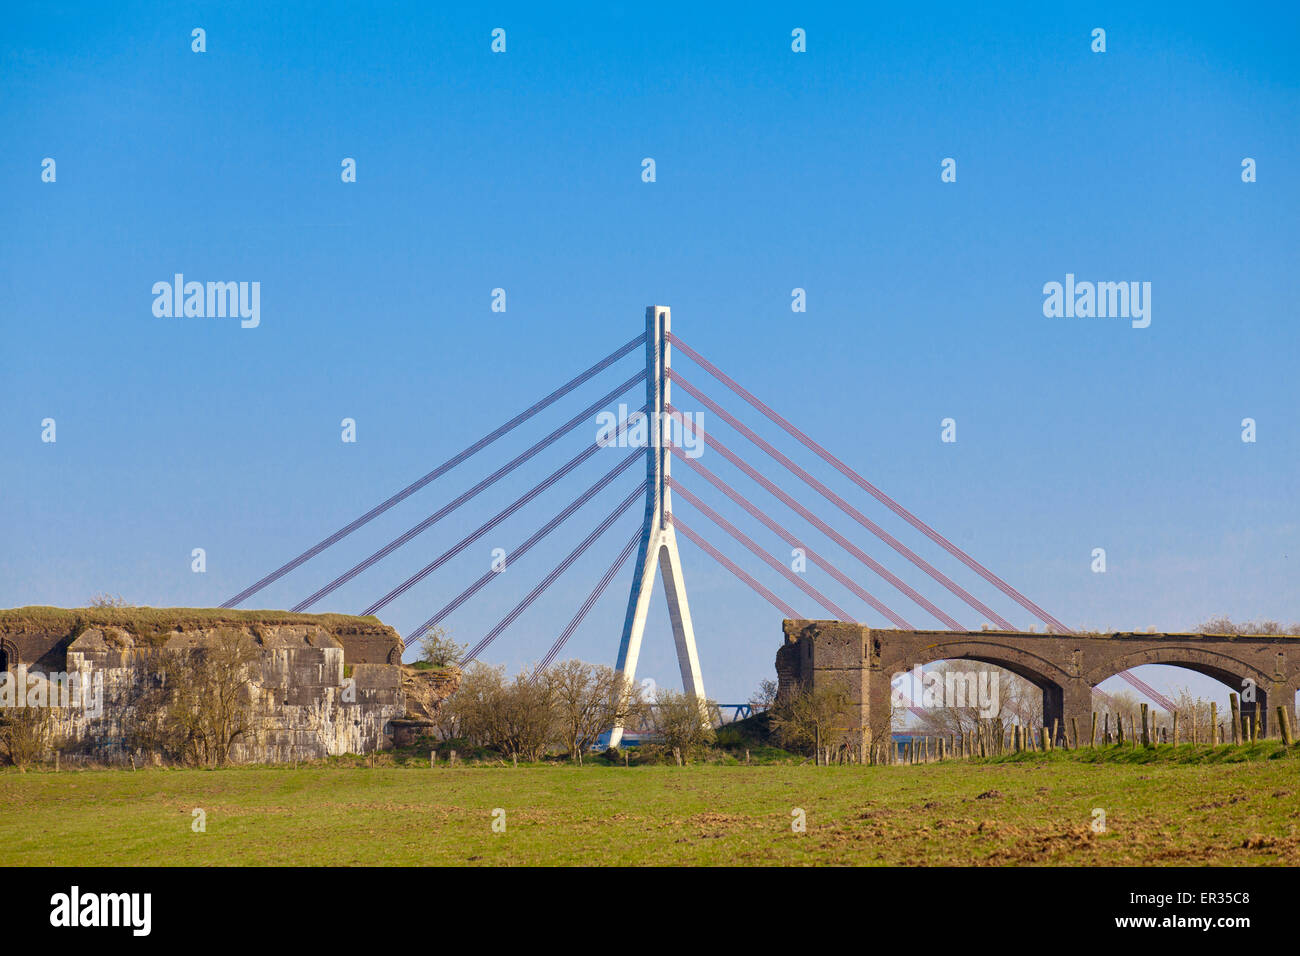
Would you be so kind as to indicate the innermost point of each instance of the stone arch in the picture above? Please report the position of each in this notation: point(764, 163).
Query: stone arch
point(1224, 668)
point(8, 655)
point(1040, 671)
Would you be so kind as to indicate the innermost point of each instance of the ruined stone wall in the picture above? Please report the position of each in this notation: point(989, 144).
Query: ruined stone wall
point(321, 685)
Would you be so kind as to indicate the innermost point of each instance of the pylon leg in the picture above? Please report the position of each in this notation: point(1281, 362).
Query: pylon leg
point(679, 611)
point(638, 609)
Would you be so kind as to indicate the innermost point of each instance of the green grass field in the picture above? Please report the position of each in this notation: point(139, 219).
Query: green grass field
point(1023, 810)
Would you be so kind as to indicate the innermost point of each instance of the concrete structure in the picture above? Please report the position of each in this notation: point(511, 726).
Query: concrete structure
point(1065, 667)
point(658, 541)
point(321, 685)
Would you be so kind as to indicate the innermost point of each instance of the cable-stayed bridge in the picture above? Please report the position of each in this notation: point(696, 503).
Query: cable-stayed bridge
point(834, 535)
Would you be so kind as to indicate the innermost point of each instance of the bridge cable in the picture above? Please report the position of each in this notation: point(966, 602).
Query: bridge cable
point(554, 574)
point(495, 520)
point(871, 489)
point(523, 549)
point(823, 527)
point(716, 555)
point(588, 604)
point(1145, 688)
point(758, 552)
point(455, 503)
point(848, 509)
point(790, 539)
point(437, 472)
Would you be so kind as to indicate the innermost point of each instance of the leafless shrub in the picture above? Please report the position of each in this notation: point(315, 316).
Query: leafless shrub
point(1224, 625)
point(682, 721)
point(813, 719)
point(588, 700)
point(437, 648)
point(24, 734)
point(764, 696)
point(515, 717)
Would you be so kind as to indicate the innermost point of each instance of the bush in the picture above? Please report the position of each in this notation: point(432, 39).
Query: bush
point(437, 649)
point(24, 732)
point(682, 721)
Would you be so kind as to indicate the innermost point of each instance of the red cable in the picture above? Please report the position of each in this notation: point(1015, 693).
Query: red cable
point(791, 539)
point(871, 489)
point(824, 528)
point(848, 509)
point(734, 568)
point(763, 556)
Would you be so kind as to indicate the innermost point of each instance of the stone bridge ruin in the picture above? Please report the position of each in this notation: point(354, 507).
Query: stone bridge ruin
point(1065, 668)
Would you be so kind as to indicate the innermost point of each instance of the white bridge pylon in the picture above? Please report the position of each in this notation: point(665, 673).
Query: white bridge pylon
point(658, 540)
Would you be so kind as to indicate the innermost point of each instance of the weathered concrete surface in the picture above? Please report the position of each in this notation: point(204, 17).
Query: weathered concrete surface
point(321, 685)
point(1065, 667)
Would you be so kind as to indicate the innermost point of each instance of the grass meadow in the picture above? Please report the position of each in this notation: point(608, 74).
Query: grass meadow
point(1184, 806)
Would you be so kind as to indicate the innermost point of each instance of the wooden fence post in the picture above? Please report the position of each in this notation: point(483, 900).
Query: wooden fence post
point(1283, 722)
point(1235, 708)
point(1146, 726)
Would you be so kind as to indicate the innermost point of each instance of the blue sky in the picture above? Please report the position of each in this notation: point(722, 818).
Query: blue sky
point(775, 170)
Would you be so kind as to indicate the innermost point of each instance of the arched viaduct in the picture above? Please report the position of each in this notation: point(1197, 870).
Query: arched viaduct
point(1066, 668)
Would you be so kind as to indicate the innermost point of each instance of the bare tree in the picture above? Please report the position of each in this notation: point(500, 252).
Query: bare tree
point(24, 734)
point(1193, 716)
point(474, 706)
point(193, 703)
point(1222, 624)
point(682, 721)
point(813, 719)
point(588, 700)
point(764, 696)
point(960, 712)
point(528, 718)
point(516, 717)
point(437, 648)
